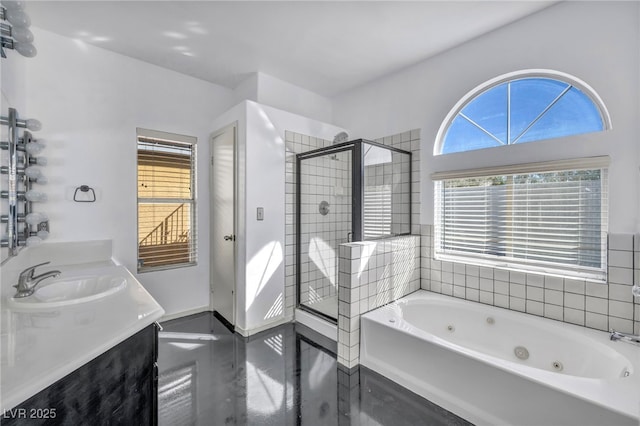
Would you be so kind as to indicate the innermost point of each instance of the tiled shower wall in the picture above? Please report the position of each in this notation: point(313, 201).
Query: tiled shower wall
point(323, 179)
point(594, 305)
point(387, 195)
point(295, 143)
point(409, 141)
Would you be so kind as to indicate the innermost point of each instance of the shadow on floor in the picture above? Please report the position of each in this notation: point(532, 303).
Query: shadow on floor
point(284, 376)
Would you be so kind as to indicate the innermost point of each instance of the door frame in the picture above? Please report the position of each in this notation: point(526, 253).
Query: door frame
point(233, 127)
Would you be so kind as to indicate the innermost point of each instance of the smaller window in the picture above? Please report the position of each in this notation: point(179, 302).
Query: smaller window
point(166, 200)
point(542, 217)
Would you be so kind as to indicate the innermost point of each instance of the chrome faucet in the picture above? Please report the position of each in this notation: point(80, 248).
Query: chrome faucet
point(616, 335)
point(27, 282)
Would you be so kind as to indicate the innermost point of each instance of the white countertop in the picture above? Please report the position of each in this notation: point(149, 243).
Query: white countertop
point(37, 348)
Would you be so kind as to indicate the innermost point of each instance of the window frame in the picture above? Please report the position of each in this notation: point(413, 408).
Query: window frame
point(573, 272)
point(519, 75)
point(170, 139)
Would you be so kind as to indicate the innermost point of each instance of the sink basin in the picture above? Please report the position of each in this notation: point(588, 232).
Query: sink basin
point(70, 291)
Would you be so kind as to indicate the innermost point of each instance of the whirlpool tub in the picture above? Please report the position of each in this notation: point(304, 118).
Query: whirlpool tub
point(493, 366)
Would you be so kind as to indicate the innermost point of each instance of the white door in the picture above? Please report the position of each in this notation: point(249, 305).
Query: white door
point(222, 179)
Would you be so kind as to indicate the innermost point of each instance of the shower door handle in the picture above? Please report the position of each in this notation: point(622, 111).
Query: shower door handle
point(349, 234)
point(230, 237)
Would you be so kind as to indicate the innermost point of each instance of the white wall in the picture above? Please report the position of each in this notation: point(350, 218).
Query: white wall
point(597, 42)
point(288, 97)
point(268, 90)
point(260, 293)
point(90, 102)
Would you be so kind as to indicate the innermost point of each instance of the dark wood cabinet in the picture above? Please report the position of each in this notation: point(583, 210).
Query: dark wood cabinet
point(119, 387)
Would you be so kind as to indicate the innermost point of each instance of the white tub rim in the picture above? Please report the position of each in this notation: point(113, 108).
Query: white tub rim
point(623, 397)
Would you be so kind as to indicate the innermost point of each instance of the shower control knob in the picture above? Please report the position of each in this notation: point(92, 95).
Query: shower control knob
point(229, 238)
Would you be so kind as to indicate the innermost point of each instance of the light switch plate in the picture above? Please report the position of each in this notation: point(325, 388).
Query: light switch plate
point(260, 213)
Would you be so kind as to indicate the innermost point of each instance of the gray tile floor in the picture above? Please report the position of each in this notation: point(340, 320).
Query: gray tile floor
point(284, 376)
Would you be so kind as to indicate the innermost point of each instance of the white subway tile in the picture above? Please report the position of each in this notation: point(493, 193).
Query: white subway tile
point(501, 287)
point(517, 304)
point(597, 289)
point(517, 290)
point(535, 308)
point(620, 309)
point(620, 292)
point(501, 300)
point(517, 277)
point(597, 305)
point(621, 324)
point(459, 291)
point(554, 283)
point(620, 275)
point(535, 280)
point(575, 301)
point(622, 259)
point(486, 284)
point(574, 286)
point(486, 297)
point(554, 312)
point(621, 242)
point(535, 294)
point(574, 316)
point(597, 321)
point(472, 294)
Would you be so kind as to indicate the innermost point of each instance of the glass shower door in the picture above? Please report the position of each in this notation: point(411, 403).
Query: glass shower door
point(324, 223)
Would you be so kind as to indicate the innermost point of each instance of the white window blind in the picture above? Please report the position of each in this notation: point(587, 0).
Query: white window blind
point(377, 211)
point(166, 200)
point(552, 221)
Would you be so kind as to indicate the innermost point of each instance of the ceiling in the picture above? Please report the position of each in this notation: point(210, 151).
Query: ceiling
point(326, 47)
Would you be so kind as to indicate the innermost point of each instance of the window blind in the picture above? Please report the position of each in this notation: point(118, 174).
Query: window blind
point(550, 221)
point(377, 213)
point(166, 203)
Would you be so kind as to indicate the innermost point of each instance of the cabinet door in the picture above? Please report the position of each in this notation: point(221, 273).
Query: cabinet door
point(116, 388)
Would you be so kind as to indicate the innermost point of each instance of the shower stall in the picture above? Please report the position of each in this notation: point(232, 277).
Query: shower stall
point(353, 191)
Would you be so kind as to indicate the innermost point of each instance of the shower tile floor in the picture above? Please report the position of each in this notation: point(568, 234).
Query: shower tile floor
point(284, 376)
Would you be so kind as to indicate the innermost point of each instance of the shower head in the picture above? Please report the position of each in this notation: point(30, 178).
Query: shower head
point(340, 137)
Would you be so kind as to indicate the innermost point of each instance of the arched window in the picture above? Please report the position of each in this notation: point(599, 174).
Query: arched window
point(549, 217)
point(520, 107)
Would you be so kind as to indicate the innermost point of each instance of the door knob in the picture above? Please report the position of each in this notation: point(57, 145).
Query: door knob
point(229, 238)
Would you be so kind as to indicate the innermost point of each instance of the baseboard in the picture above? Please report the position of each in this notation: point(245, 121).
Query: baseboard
point(181, 314)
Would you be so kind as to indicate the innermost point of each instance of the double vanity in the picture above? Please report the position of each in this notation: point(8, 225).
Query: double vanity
point(83, 346)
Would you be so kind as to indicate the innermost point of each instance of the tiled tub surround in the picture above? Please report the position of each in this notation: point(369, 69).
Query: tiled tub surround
point(590, 304)
point(372, 274)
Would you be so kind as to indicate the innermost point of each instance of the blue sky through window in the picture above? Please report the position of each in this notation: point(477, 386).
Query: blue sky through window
point(522, 110)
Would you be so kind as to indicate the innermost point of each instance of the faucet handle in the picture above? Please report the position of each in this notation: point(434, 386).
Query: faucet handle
point(31, 269)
